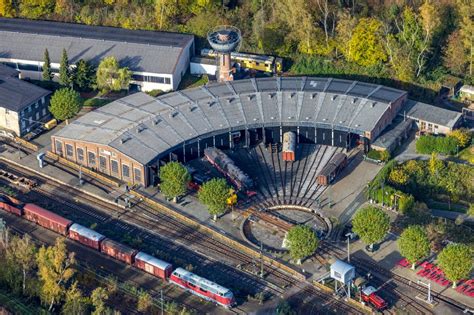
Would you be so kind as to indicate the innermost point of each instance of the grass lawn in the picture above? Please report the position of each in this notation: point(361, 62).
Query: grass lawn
point(190, 81)
point(467, 154)
point(445, 206)
point(96, 102)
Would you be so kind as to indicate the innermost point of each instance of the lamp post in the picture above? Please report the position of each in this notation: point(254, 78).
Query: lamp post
point(429, 299)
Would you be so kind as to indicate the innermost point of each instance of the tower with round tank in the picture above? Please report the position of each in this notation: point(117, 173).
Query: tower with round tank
point(224, 39)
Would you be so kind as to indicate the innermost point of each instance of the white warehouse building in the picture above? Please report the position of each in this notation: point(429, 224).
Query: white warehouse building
point(158, 60)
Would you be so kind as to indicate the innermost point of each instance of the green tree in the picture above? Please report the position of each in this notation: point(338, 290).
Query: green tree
point(366, 46)
point(65, 104)
point(174, 179)
point(165, 12)
point(47, 73)
point(470, 211)
point(466, 29)
point(55, 269)
point(456, 262)
point(98, 298)
point(84, 75)
point(455, 56)
point(302, 242)
point(214, 194)
point(111, 77)
point(371, 224)
point(414, 244)
point(34, 9)
point(74, 303)
point(64, 71)
point(6, 8)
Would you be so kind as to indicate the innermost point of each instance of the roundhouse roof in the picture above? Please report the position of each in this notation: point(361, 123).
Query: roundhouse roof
point(143, 127)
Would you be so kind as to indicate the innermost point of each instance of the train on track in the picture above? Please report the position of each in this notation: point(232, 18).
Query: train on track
point(232, 172)
point(289, 146)
point(263, 63)
point(332, 169)
point(193, 283)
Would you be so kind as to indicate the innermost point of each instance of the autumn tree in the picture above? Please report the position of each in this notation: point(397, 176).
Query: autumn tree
point(466, 29)
point(456, 262)
point(302, 242)
point(98, 298)
point(111, 77)
point(64, 71)
point(174, 179)
point(398, 176)
point(165, 12)
point(144, 302)
point(23, 253)
point(414, 244)
point(6, 8)
point(47, 72)
point(455, 56)
point(344, 30)
point(214, 194)
point(74, 302)
point(55, 269)
point(65, 104)
point(366, 46)
point(34, 9)
point(462, 136)
point(371, 224)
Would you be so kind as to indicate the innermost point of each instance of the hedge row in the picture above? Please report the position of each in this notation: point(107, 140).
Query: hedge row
point(442, 145)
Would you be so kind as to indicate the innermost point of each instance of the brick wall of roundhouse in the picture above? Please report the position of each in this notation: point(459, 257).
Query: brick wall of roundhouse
point(387, 117)
point(95, 148)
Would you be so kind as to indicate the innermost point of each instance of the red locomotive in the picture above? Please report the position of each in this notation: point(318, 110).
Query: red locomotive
point(204, 288)
point(369, 295)
point(90, 238)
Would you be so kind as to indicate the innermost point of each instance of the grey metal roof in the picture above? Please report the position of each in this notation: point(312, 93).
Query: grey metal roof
point(145, 51)
point(8, 71)
point(88, 233)
point(16, 94)
point(390, 136)
point(433, 114)
point(152, 260)
point(143, 127)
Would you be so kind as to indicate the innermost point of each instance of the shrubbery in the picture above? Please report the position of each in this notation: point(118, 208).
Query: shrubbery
point(442, 145)
point(379, 155)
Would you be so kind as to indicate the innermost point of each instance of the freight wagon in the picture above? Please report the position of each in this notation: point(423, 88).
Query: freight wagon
point(289, 146)
point(118, 251)
point(46, 219)
point(332, 169)
point(85, 236)
point(11, 205)
point(155, 266)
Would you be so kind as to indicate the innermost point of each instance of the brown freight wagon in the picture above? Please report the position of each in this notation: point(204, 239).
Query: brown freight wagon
point(46, 219)
point(153, 265)
point(118, 251)
point(289, 146)
point(330, 170)
point(11, 205)
point(85, 236)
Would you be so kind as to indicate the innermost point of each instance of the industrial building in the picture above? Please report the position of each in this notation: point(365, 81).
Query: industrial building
point(432, 119)
point(158, 60)
point(129, 137)
point(23, 106)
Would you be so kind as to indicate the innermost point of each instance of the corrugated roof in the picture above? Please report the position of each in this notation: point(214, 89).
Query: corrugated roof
point(46, 214)
point(143, 127)
point(341, 267)
point(152, 260)
point(88, 233)
point(142, 51)
point(430, 113)
point(118, 246)
point(16, 94)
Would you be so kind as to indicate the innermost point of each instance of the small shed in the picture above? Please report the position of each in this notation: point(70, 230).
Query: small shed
point(342, 271)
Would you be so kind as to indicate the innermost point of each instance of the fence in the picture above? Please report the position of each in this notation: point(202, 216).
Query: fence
point(26, 144)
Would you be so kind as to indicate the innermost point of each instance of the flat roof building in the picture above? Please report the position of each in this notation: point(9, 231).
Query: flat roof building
point(22, 105)
point(158, 59)
point(127, 138)
point(430, 118)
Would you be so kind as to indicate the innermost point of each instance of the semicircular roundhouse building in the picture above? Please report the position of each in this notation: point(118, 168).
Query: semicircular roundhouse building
point(127, 138)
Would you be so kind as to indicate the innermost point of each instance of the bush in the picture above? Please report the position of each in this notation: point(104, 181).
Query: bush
point(442, 145)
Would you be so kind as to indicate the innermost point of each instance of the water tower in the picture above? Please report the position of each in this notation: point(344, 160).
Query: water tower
point(224, 39)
